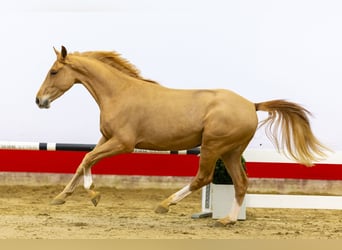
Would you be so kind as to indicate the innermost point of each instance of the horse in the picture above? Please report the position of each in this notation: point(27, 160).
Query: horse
point(140, 113)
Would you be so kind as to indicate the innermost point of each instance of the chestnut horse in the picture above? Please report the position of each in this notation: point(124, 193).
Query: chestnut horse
point(140, 113)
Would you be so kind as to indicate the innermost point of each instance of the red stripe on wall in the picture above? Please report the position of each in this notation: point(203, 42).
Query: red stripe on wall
point(68, 161)
point(294, 171)
point(152, 165)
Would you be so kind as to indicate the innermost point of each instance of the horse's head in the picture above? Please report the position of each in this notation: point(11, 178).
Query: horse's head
point(59, 79)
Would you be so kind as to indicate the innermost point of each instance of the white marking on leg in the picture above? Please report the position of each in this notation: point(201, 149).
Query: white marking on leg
point(181, 194)
point(234, 212)
point(88, 180)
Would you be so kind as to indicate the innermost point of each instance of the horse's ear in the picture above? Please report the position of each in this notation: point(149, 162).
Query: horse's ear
point(64, 52)
point(56, 51)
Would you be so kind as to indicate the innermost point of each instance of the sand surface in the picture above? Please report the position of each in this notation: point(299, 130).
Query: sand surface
point(128, 214)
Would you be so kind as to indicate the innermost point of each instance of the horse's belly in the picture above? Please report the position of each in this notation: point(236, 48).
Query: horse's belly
point(170, 143)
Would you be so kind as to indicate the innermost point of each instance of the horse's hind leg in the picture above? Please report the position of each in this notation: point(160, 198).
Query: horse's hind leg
point(163, 207)
point(203, 177)
point(232, 162)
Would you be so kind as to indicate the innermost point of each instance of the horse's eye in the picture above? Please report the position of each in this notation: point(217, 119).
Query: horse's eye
point(53, 72)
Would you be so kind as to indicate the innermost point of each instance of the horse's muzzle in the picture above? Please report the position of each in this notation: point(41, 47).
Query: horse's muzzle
point(43, 103)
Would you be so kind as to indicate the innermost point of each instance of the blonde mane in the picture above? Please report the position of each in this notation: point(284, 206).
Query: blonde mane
point(115, 60)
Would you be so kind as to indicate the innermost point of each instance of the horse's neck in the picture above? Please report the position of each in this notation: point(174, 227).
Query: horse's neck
point(101, 81)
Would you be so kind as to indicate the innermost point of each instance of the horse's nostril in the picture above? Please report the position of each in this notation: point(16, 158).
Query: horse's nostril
point(43, 102)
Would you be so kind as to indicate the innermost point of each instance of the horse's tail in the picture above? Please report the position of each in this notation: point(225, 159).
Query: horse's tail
point(288, 127)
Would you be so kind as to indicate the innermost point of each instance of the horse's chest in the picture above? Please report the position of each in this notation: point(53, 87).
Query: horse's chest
point(111, 125)
point(107, 124)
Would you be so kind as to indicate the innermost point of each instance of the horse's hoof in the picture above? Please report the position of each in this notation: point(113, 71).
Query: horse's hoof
point(57, 202)
point(161, 210)
point(96, 198)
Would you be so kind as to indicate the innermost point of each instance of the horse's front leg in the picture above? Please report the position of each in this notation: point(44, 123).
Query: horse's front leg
point(89, 186)
point(103, 149)
point(69, 188)
point(82, 170)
